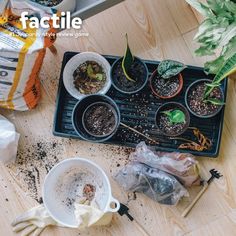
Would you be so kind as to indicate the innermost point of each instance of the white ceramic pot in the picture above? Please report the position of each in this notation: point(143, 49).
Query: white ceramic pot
point(73, 64)
point(54, 194)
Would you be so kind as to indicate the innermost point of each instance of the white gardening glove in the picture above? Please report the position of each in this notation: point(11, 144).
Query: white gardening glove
point(33, 222)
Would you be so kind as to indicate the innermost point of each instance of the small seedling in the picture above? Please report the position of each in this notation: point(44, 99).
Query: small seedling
point(175, 116)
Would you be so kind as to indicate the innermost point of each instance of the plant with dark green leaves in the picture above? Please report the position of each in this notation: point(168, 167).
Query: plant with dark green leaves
point(128, 60)
point(169, 68)
point(175, 116)
point(217, 32)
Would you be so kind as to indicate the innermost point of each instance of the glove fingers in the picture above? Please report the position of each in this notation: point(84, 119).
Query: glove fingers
point(27, 231)
point(21, 226)
point(34, 213)
point(21, 219)
point(38, 231)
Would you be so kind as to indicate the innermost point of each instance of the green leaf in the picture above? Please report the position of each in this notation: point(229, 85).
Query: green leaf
point(99, 77)
point(215, 101)
point(128, 60)
point(170, 68)
point(90, 71)
point(211, 67)
point(209, 89)
point(227, 69)
point(200, 7)
point(175, 116)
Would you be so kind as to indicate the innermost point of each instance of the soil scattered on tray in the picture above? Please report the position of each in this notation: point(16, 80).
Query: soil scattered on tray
point(137, 72)
point(165, 87)
point(89, 77)
point(48, 3)
point(196, 100)
point(32, 164)
point(99, 119)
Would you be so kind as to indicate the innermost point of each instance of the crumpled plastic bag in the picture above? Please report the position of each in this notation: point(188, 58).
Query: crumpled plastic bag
point(156, 184)
point(182, 165)
point(8, 141)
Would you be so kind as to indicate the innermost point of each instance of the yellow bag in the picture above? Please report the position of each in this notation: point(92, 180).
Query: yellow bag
point(21, 55)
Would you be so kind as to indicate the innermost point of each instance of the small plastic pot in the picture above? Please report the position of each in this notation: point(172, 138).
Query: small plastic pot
point(173, 105)
point(153, 77)
point(117, 73)
point(187, 94)
point(78, 113)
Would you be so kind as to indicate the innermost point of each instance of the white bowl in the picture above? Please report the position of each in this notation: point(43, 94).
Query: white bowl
point(57, 188)
point(73, 64)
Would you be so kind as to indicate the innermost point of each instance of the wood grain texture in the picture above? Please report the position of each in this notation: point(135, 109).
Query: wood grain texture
point(157, 29)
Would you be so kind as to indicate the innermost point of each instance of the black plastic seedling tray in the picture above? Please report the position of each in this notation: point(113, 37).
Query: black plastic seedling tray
point(138, 111)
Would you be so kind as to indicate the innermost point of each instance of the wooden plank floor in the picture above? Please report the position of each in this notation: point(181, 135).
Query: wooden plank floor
point(158, 29)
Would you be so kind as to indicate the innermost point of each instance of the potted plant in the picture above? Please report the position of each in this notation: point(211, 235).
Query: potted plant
point(87, 73)
point(129, 74)
point(96, 118)
point(167, 81)
point(172, 119)
point(205, 98)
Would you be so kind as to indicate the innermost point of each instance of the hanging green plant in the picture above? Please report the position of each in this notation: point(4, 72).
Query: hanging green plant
point(169, 68)
point(128, 60)
point(175, 116)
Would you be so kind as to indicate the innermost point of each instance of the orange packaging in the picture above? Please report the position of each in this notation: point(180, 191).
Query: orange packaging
point(21, 56)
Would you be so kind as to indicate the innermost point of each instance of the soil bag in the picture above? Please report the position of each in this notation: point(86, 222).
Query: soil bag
point(182, 165)
point(8, 141)
point(21, 55)
point(156, 184)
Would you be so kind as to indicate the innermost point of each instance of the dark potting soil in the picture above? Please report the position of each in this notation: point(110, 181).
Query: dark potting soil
point(48, 3)
point(196, 100)
point(137, 72)
point(99, 119)
point(168, 128)
point(165, 87)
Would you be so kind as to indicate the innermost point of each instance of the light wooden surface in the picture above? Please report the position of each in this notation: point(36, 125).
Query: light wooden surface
point(157, 29)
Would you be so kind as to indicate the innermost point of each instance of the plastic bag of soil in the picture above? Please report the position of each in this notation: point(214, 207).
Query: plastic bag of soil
point(21, 55)
point(182, 165)
point(156, 184)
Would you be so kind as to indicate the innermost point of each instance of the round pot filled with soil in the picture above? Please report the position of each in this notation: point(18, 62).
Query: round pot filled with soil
point(96, 118)
point(138, 72)
point(172, 119)
point(166, 88)
point(201, 106)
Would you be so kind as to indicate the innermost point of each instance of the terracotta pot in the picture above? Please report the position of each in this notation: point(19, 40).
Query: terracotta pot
point(181, 82)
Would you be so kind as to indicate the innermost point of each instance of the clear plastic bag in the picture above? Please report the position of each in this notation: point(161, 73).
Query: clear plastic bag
point(156, 184)
point(182, 165)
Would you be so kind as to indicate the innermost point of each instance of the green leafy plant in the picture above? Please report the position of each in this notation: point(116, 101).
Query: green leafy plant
point(128, 60)
point(175, 116)
point(169, 68)
point(217, 32)
point(227, 69)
